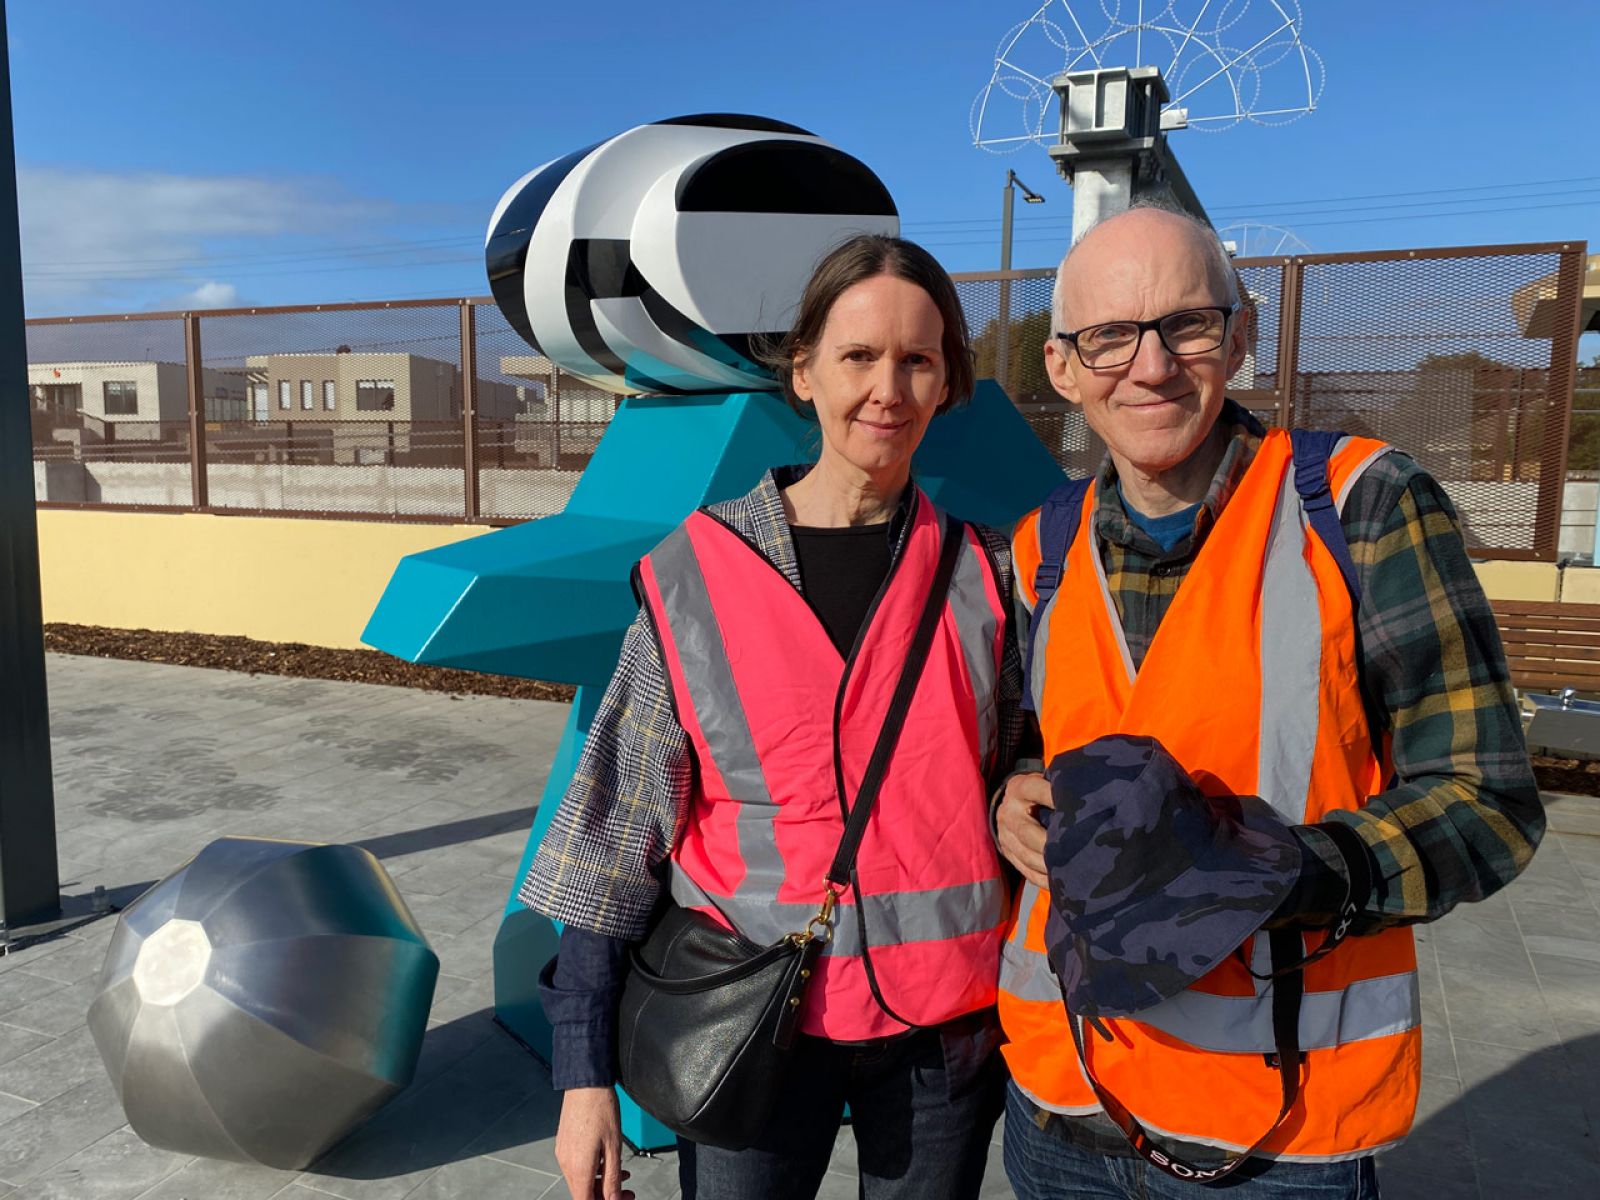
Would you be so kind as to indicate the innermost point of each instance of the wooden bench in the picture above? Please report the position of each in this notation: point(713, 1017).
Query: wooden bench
point(1550, 645)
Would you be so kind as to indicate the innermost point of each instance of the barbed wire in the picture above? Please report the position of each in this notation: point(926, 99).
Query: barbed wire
point(1223, 63)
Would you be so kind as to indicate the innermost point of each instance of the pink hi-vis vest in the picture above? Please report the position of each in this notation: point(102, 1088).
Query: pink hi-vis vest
point(782, 728)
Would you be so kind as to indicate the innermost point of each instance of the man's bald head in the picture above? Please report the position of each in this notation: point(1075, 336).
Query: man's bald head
point(1147, 229)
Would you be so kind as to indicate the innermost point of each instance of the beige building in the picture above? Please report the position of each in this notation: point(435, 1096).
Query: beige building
point(566, 415)
point(367, 386)
point(108, 393)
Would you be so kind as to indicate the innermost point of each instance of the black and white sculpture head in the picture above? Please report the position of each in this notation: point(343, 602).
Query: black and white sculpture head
point(645, 264)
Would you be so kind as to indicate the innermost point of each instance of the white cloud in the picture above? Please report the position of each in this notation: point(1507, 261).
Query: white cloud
point(100, 235)
point(210, 294)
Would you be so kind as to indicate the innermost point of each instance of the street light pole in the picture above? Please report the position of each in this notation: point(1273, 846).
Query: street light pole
point(1002, 345)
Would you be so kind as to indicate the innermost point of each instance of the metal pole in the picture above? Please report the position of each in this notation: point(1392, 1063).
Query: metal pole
point(30, 888)
point(1288, 369)
point(469, 407)
point(1002, 336)
point(197, 411)
point(1558, 406)
point(555, 408)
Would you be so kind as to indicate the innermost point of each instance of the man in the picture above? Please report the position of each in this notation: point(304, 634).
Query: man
point(1357, 688)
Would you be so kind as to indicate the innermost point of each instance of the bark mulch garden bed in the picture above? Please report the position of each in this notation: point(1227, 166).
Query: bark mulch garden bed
point(371, 666)
point(288, 658)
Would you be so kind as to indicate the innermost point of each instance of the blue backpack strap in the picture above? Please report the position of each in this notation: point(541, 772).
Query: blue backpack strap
point(1311, 450)
point(1058, 526)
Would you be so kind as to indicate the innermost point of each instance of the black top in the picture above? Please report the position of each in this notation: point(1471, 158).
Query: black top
point(841, 571)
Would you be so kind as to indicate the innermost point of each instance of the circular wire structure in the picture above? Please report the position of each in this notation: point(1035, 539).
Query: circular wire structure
point(1224, 62)
point(1252, 239)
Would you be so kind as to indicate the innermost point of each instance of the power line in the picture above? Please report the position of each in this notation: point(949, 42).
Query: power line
point(286, 255)
point(1429, 216)
point(1272, 205)
point(1267, 217)
point(242, 274)
point(62, 269)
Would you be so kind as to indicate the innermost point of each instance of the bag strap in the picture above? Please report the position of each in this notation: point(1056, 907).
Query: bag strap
point(894, 720)
point(843, 868)
point(1058, 526)
point(1311, 450)
point(1287, 994)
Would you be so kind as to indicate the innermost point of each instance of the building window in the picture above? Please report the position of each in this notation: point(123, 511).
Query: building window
point(258, 392)
point(374, 395)
point(330, 398)
point(285, 399)
point(122, 398)
point(307, 400)
point(227, 405)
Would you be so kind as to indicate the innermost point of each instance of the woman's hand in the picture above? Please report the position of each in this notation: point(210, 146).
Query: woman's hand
point(1019, 832)
point(589, 1144)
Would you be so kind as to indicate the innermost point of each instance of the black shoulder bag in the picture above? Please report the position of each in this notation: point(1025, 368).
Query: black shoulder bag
point(707, 1019)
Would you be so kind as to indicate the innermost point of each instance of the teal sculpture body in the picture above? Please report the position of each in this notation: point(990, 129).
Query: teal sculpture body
point(551, 599)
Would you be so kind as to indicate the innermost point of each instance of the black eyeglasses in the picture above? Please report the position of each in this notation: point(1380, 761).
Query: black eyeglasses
point(1115, 343)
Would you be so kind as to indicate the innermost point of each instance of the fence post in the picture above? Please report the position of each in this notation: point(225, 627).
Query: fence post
point(1558, 411)
point(555, 410)
point(1293, 289)
point(197, 410)
point(469, 407)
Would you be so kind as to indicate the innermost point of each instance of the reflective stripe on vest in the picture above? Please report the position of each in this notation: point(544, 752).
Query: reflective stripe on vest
point(780, 725)
point(1251, 682)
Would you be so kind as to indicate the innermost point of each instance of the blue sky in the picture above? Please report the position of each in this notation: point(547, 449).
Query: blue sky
point(181, 154)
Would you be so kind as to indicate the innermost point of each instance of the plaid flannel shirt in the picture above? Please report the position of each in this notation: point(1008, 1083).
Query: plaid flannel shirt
point(1463, 815)
point(599, 865)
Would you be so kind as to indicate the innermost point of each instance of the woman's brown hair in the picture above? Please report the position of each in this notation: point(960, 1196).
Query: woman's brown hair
point(863, 257)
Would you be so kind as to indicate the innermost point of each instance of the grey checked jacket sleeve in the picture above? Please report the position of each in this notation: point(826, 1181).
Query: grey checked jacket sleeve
point(596, 868)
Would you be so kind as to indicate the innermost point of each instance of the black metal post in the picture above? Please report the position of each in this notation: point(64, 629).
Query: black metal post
point(1002, 348)
point(30, 887)
point(1002, 329)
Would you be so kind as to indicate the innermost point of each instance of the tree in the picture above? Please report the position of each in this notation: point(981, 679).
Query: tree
point(1026, 382)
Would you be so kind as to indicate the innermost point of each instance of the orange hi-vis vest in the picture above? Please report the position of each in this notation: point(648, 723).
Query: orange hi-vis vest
point(782, 728)
point(1251, 682)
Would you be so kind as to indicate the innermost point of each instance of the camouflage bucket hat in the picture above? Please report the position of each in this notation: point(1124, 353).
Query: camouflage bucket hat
point(1152, 882)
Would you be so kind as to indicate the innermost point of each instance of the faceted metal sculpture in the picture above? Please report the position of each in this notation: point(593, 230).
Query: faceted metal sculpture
point(262, 1001)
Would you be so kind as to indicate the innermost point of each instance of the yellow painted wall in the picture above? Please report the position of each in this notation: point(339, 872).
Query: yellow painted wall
point(1539, 581)
point(1581, 585)
point(274, 579)
point(1519, 580)
point(299, 580)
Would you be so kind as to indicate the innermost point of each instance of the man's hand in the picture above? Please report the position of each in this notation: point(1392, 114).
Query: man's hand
point(1018, 830)
point(589, 1144)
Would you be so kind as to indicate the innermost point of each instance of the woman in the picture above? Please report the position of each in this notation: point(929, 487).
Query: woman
point(898, 1022)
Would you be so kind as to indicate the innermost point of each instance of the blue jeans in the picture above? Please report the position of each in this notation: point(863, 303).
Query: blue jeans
point(922, 1130)
point(1042, 1166)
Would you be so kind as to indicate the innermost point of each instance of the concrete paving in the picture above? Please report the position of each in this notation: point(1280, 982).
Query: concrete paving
point(152, 762)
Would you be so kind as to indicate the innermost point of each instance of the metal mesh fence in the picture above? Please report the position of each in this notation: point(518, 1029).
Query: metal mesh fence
point(529, 460)
point(1436, 354)
point(1257, 384)
point(1465, 359)
point(108, 401)
point(344, 410)
point(1016, 360)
